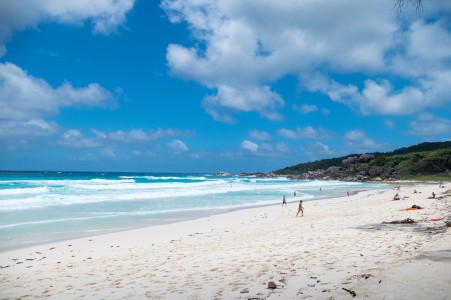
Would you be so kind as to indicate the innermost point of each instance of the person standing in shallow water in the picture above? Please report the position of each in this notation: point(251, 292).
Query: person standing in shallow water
point(300, 209)
point(284, 201)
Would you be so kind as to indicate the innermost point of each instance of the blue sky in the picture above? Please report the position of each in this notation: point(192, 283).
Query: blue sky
point(203, 86)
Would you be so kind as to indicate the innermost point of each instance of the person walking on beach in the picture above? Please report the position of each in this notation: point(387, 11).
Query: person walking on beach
point(284, 201)
point(300, 209)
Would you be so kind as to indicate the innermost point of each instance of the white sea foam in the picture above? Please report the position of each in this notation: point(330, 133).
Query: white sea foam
point(129, 191)
point(138, 186)
point(174, 178)
point(49, 221)
point(25, 191)
point(109, 181)
point(65, 182)
point(163, 178)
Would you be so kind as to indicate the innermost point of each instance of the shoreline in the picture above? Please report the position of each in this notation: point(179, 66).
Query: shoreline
point(87, 234)
point(46, 239)
point(337, 243)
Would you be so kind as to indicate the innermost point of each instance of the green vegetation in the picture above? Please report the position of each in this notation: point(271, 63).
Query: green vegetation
point(430, 161)
point(312, 166)
point(429, 178)
point(422, 147)
point(421, 163)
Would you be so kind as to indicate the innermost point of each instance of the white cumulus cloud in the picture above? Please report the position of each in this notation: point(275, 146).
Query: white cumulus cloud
point(33, 127)
point(140, 135)
point(104, 15)
point(260, 135)
point(177, 146)
point(230, 99)
point(380, 97)
point(358, 141)
point(305, 108)
point(75, 139)
point(316, 150)
point(429, 125)
point(24, 97)
point(282, 147)
point(241, 47)
point(307, 132)
point(96, 138)
point(250, 146)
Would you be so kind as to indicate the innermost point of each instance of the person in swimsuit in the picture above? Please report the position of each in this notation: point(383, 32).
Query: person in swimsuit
point(300, 209)
point(284, 201)
point(405, 221)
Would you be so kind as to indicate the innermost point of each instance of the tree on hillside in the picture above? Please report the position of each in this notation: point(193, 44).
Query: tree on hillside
point(401, 4)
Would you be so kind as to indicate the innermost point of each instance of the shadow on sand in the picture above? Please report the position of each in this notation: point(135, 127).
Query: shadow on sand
point(439, 255)
point(422, 227)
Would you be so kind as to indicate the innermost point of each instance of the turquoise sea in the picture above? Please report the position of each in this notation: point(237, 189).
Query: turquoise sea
point(40, 207)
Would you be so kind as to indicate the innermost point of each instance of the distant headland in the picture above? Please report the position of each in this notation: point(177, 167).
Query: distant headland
point(425, 161)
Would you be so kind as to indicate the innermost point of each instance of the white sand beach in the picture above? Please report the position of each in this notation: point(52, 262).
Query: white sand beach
point(339, 247)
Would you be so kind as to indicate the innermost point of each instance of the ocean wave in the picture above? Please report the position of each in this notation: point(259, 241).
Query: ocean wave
point(110, 181)
point(147, 185)
point(175, 178)
point(126, 190)
point(111, 195)
point(24, 191)
point(67, 182)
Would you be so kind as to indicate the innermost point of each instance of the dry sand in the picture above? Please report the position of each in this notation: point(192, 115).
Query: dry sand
point(339, 244)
